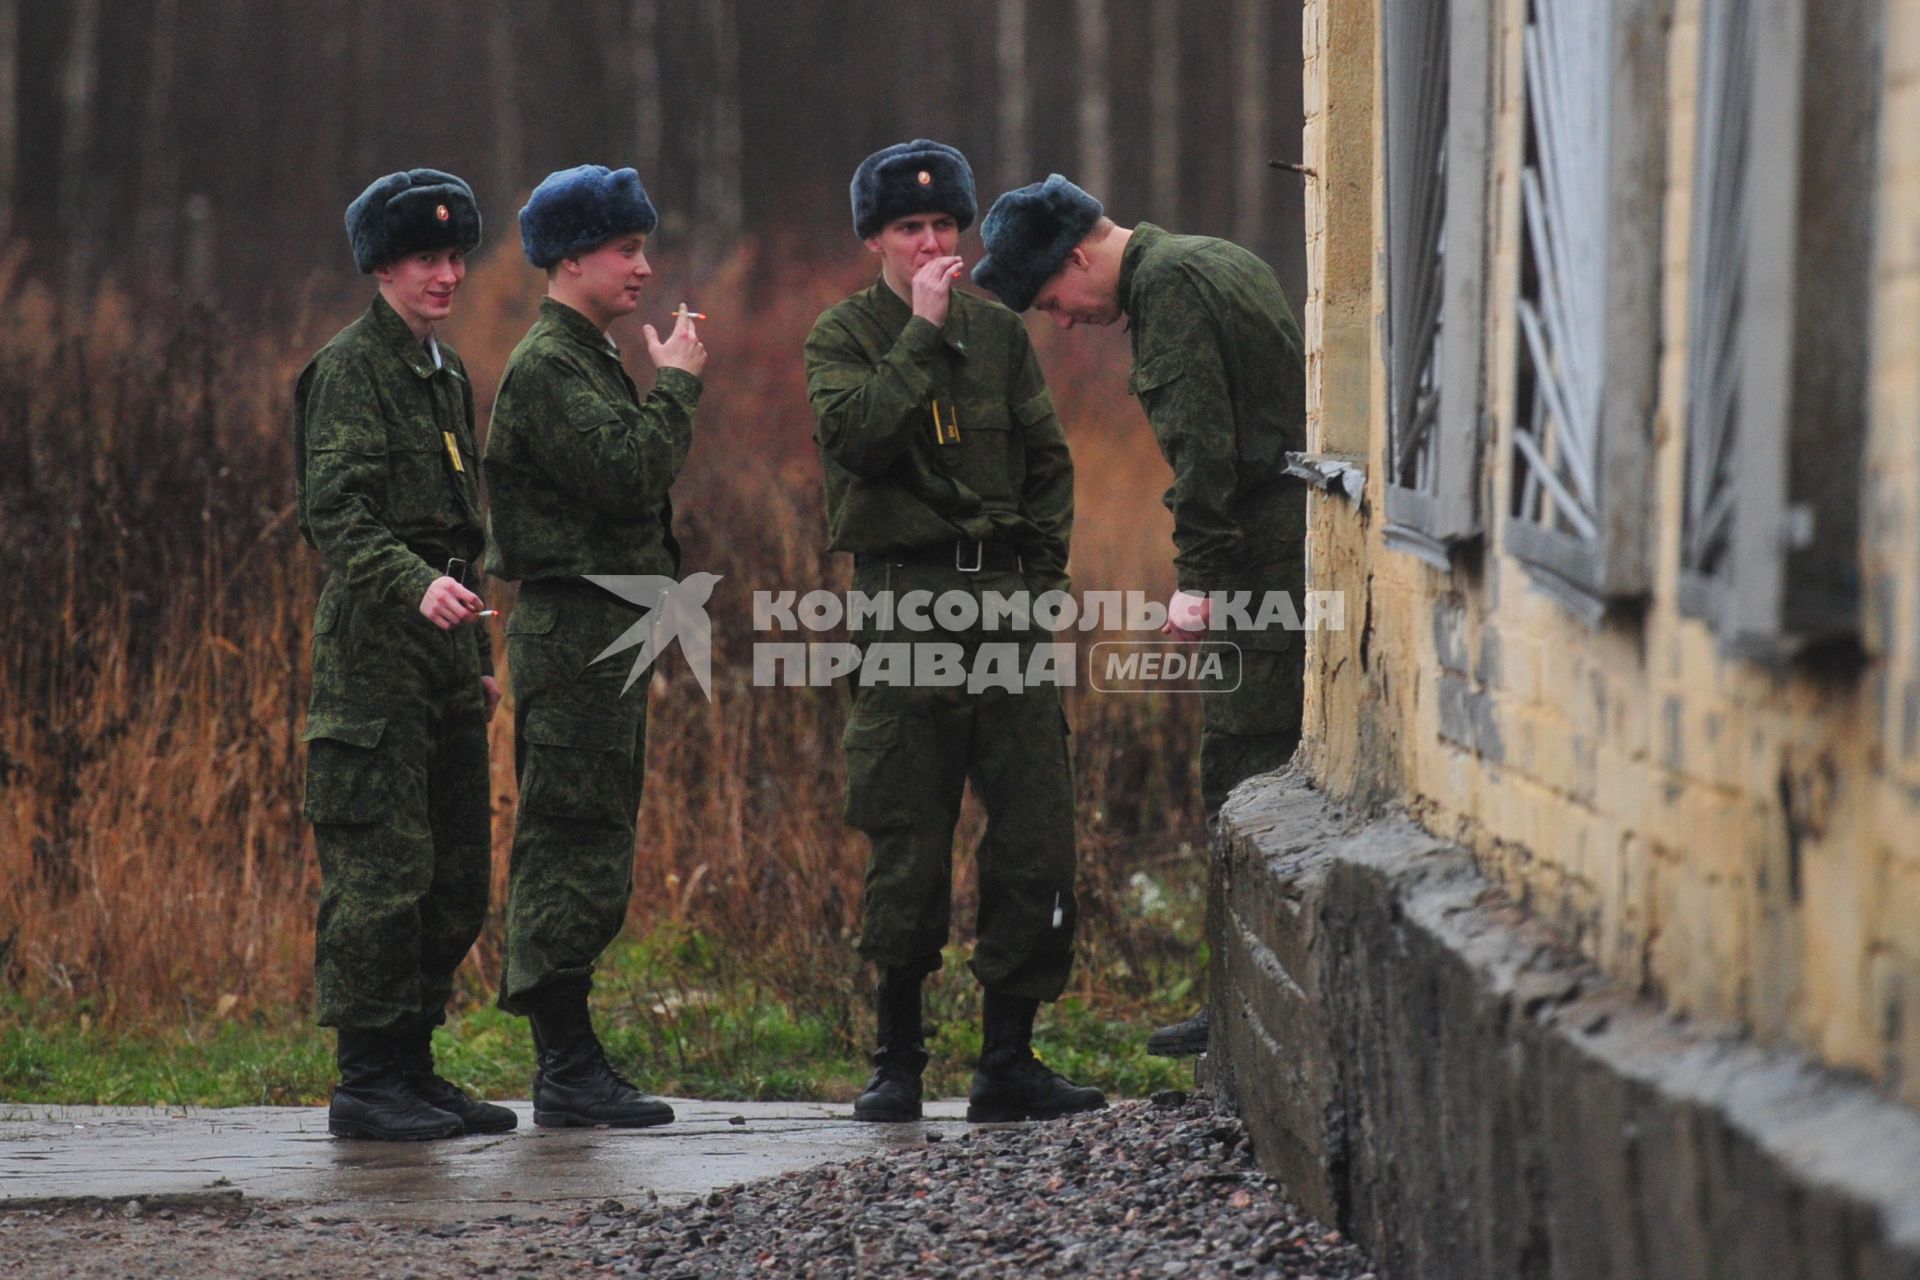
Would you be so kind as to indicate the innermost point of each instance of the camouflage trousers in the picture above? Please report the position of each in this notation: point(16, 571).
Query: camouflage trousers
point(580, 755)
point(397, 791)
point(1255, 727)
point(910, 753)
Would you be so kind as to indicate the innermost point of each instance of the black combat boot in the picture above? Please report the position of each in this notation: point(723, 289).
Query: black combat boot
point(416, 1061)
point(893, 1095)
point(373, 1098)
point(1181, 1040)
point(1010, 1083)
point(574, 1085)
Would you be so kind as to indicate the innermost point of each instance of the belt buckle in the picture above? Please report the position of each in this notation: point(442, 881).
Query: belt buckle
point(979, 555)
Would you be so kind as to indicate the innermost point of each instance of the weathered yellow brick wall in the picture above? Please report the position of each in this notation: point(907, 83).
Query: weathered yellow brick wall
point(1740, 844)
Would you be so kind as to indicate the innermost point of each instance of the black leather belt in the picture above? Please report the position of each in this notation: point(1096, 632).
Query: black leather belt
point(968, 555)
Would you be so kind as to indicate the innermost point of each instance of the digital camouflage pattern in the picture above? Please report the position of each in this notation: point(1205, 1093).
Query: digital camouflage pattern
point(1219, 369)
point(579, 467)
point(874, 372)
point(397, 784)
point(579, 751)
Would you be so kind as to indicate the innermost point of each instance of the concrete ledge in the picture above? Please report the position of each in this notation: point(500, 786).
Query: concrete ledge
point(1422, 1063)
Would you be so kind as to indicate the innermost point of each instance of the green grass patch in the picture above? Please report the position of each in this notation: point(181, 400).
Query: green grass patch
point(679, 1013)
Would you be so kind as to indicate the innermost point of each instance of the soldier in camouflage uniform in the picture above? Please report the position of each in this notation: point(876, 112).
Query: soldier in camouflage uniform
point(579, 466)
point(1218, 367)
point(385, 473)
point(978, 500)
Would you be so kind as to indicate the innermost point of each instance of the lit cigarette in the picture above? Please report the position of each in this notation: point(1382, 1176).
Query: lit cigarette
point(488, 613)
point(683, 313)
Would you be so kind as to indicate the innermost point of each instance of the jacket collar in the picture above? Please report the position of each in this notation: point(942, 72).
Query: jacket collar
point(394, 331)
point(1139, 245)
point(563, 319)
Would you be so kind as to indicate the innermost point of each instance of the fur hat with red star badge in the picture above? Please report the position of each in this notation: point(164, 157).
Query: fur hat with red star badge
point(921, 176)
point(412, 211)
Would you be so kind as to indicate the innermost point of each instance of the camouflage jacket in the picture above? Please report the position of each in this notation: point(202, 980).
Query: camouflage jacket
point(1218, 367)
point(993, 465)
point(386, 474)
point(578, 465)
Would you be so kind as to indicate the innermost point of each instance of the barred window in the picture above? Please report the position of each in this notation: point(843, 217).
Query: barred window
point(1779, 324)
point(1588, 310)
point(1438, 112)
point(1723, 105)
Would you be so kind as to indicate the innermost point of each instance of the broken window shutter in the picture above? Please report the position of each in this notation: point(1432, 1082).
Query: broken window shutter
point(1438, 115)
point(1717, 258)
point(1793, 572)
point(1587, 309)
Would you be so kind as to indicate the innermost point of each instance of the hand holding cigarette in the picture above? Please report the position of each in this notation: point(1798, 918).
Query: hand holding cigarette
point(933, 288)
point(682, 349)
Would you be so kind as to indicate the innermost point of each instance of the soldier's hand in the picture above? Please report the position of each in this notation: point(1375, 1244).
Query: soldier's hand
point(447, 604)
point(491, 688)
point(1189, 615)
point(933, 289)
point(681, 350)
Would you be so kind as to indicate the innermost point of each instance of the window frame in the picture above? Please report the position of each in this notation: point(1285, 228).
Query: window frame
point(1610, 569)
point(1429, 521)
point(1792, 577)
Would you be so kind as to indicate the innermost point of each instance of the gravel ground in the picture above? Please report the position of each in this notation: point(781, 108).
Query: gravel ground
point(1142, 1190)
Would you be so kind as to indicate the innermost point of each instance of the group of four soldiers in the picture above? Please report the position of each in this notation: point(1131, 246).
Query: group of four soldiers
point(946, 470)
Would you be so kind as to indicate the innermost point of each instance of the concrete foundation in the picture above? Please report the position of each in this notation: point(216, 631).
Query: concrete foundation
point(1422, 1063)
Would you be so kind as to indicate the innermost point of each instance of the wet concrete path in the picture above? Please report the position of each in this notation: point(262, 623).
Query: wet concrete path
point(283, 1154)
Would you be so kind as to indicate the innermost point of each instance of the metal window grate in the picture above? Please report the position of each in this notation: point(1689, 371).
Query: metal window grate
point(1563, 304)
point(1416, 91)
point(1715, 294)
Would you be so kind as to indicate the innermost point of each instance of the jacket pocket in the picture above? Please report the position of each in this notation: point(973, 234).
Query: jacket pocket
point(419, 482)
point(988, 458)
point(349, 779)
point(1155, 373)
point(533, 615)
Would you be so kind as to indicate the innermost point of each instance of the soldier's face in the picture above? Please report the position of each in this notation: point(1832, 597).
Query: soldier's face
point(614, 275)
point(421, 286)
point(907, 244)
point(1078, 294)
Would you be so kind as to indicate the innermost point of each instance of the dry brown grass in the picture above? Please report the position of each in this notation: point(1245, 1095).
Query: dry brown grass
point(153, 662)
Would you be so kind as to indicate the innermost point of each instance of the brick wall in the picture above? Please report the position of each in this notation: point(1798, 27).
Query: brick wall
point(1740, 843)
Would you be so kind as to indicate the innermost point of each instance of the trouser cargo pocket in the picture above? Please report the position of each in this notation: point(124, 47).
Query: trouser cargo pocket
point(347, 778)
point(879, 785)
point(579, 767)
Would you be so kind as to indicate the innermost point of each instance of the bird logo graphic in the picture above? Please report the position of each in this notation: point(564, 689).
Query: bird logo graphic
point(671, 611)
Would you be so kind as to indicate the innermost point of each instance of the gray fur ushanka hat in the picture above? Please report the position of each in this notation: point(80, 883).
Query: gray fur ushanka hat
point(412, 211)
point(921, 176)
point(1028, 233)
